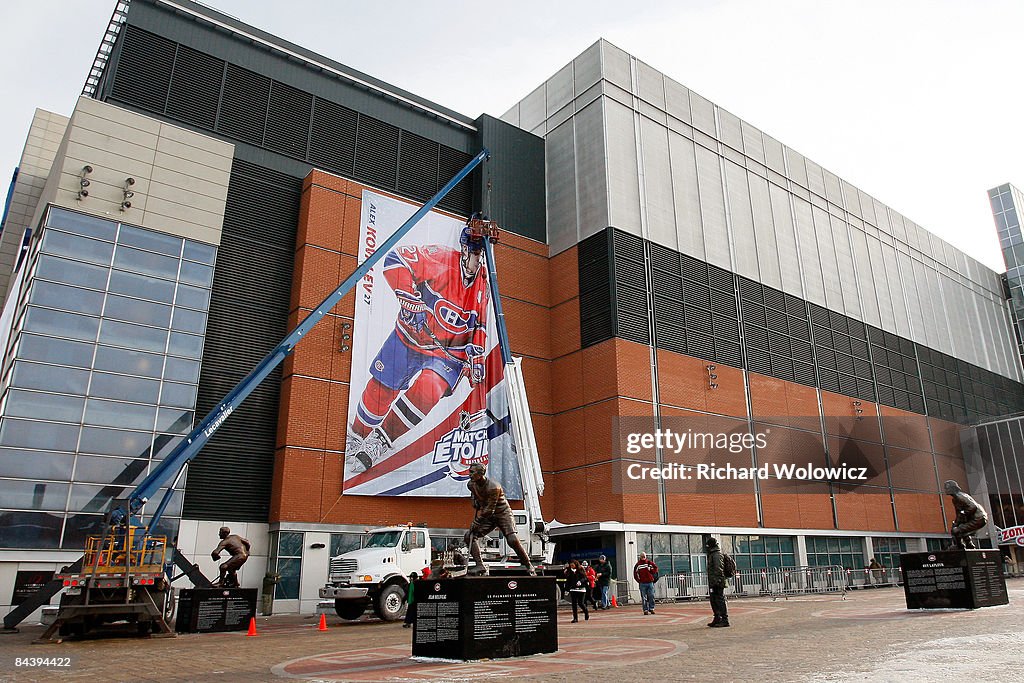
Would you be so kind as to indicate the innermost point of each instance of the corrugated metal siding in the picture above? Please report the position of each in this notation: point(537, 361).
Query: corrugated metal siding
point(231, 478)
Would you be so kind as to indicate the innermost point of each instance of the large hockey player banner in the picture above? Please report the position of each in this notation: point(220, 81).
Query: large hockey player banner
point(427, 396)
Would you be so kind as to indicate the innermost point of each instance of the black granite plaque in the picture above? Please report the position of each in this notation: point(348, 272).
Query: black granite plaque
point(964, 579)
point(213, 610)
point(485, 617)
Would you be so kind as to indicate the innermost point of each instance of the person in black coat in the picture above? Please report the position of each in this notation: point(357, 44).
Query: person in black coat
point(577, 585)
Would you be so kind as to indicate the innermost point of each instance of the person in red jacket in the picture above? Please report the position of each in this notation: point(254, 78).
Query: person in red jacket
point(646, 573)
point(592, 578)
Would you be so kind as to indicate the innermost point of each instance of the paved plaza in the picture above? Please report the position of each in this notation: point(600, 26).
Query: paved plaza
point(869, 635)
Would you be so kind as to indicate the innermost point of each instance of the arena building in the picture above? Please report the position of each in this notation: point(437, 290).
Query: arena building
point(664, 265)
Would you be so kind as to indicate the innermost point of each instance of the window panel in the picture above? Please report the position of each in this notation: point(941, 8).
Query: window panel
point(59, 324)
point(128, 361)
point(193, 297)
point(141, 286)
point(133, 336)
point(122, 415)
point(99, 469)
point(174, 420)
point(196, 274)
point(37, 464)
point(49, 378)
point(181, 370)
point(78, 248)
point(46, 436)
point(106, 385)
point(115, 442)
point(66, 297)
point(178, 395)
point(92, 498)
point(163, 444)
point(33, 404)
point(82, 224)
point(138, 261)
point(197, 251)
point(33, 495)
point(136, 311)
point(29, 529)
point(188, 320)
point(72, 272)
point(188, 345)
point(50, 350)
point(152, 241)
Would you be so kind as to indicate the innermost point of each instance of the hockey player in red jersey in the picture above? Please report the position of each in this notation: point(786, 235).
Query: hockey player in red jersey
point(439, 337)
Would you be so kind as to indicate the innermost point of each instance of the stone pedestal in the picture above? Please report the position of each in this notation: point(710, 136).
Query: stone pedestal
point(212, 610)
point(964, 579)
point(485, 617)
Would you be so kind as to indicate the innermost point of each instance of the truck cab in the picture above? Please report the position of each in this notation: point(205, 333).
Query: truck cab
point(377, 574)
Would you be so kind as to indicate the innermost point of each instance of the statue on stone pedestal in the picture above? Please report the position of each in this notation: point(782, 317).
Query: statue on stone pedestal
point(969, 517)
point(492, 511)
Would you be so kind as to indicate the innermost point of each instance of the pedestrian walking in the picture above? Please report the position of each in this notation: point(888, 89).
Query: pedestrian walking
point(604, 581)
point(576, 585)
point(592, 581)
point(410, 599)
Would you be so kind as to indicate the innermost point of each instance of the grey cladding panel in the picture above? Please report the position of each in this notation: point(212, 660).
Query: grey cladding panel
point(690, 236)
point(703, 113)
point(651, 84)
point(677, 100)
point(661, 223)
point(743, 240)
point(591, 181)
point(559, 89)
point(587, 68)
point(615, 66)
point(623, 178)
point(560, 163)
point(712, 208)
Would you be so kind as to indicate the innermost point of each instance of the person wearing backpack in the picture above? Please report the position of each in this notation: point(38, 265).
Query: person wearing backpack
point(717, 576)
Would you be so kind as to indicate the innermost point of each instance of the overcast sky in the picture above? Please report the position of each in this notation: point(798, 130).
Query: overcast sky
point(916, 102)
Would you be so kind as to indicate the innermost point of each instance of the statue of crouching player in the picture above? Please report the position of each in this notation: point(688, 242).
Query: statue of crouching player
point(439, 338)
point(492, 511)
point(970, 517)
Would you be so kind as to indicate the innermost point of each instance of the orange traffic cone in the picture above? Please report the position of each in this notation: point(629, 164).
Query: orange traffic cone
point(323, 622)
point(252, 626)
point(615, 603)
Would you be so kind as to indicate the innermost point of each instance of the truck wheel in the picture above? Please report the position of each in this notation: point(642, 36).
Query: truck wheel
point(391, 603)
point(349, 609)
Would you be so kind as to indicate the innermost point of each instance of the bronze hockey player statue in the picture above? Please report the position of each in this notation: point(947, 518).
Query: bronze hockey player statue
point(238, 548)
point(492, 511)
point(969, 517)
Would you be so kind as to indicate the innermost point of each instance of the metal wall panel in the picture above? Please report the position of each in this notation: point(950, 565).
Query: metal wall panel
point(796, 168)
point(764, 230)
point(744, 242)
point(810, 264)
point(623, 179)
point(677, 100)
point(833, 192)
point(686, 197)
point(774, 154)
point(752, 145)
point(659, 201)
point(560, 170)
point(785, 240)
point(899, 304)
point(865, 279)
point(815, 178)
point(887, 320)
point(827, 257)
point(702, 112)
point(558, 90)
point(590, 172)
point(913, 274)
point(847, 274)
point(729, 129)
point(712, 208)
point(533, 111)
point(587, 68)
point(615, 66)
point(651, 85)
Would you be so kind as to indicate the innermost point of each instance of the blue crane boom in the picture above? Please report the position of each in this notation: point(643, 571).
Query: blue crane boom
point(194, 442)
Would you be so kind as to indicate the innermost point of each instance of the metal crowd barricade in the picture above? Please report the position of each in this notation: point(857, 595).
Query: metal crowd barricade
point(774, 582)
point(873, 578)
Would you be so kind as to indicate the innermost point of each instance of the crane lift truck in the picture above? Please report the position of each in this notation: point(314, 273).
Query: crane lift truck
point(126, 572)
